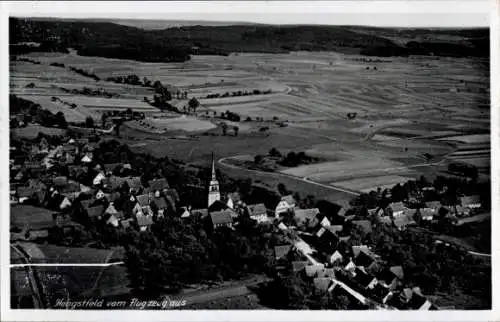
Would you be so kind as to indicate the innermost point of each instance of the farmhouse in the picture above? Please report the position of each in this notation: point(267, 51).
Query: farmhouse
point(158, 186)
point(142, 206)
point(305, 217)
point(233, 200)
point(221, 218)
point(134, 185)
point(397, 208)
point(471, 202)
point(160, 206)
point(286, 204)
point(258, 212)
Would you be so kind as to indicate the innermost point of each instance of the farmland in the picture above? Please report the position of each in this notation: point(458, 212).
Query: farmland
point(411, 113)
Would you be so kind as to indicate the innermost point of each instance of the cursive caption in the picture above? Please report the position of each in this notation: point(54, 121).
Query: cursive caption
point(135, 303)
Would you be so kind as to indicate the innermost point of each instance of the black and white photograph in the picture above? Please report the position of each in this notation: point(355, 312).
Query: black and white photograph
point(164, 160)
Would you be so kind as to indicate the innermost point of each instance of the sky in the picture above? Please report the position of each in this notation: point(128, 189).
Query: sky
point(388, 13)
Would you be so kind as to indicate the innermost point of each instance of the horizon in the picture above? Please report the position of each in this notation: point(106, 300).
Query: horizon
point(371, 13)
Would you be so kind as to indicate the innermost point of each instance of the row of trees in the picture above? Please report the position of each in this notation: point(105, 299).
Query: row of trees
point(85, 73)
point(100, 92)
point(239, 93)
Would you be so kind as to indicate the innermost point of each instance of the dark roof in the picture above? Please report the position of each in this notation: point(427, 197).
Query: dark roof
point(144, 220)
point(397, 271)
point(112, 166)
point(143, 200)
point(363, 259)
point(70, 188)
point(397, 206)
point(217, 206)
point(464, 201)
point(25, 192)
point(298, 265)
point(34, 217)
point(158, 184)
point(221, 217)
point(160, 203)
point(114, 182)
point(257, 209)
point(126, 223)
point(87, 203)
point(95, 211)
point(200, 212)
point(303, 215)
point(134, 182)
point(363, 224)
point(171, 192)
point(362, 278)
point(60, 181)
point(281, 251)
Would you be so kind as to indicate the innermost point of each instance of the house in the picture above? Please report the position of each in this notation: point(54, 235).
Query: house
point(60, 181)
point(71, 190)
point(471, 202)
point(87, 158)
point(326, 272)
point(258, 212)
point(233, 200)
point(98, 179)
point(280, 252)
point(390, 277)
point(65, 203)
point(335, 228)
point(286, 203)
point(364, 225)
point(305, 217)
point(110, 168)
point(222, 218)
point(95, 212)
point(400, 222)
point(158, 186)
point(375, 212)
point(113, 183)
point(297, 266)
point(126, 223)
point(25, 194)
point(427, 213)
point(364, 279)
point(76, 171)
point(335, 258)
point(111, 210)
point(142, 206)
point(327, 239)
point(144, 221)
point(322, 283)
point(417, 301)
point(434, 205)
point(134, 184)
point(160, 206)
point(172, 197)
point(398, 208)
point(350, 267)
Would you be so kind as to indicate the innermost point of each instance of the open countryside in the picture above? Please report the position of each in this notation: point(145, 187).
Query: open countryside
point(322, 166)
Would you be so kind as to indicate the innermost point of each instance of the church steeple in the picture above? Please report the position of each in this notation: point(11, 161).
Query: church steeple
point(213, 188)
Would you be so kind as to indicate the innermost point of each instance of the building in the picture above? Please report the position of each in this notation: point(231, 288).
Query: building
point(471, 202)
point(142, 206)
point(221, 218)
point(286, 203)
point(213, 187)
point(258, 212)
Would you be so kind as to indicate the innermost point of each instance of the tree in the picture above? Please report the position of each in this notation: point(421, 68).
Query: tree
point(274, 153)
point(89, 122)
point(257, 159)
point(193, 104)
point(236, 129)
point(224, 129)
point(61, 120)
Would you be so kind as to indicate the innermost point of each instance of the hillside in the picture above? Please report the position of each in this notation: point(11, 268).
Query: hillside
point(106, 39)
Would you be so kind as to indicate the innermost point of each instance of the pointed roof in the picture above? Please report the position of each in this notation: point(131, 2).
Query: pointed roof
point(143, 200)
point(213, 168)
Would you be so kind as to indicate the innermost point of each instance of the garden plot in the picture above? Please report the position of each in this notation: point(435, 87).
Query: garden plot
point(184, 123)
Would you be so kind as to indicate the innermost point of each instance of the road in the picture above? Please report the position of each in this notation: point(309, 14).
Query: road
point(35, 284)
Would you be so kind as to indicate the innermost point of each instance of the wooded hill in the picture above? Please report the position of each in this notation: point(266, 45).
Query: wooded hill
point(112, 40)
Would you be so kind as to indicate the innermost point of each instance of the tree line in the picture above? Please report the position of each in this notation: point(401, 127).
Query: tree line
point(35, 113)
point(239, 93)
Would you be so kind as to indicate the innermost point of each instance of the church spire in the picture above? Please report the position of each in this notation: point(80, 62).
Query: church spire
point(213, 168)
point(213, 187)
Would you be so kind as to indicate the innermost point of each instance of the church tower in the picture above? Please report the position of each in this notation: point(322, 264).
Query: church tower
point(213, 188)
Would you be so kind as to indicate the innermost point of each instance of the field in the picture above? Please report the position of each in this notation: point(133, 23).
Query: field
point(31, 131)
point(412, 113)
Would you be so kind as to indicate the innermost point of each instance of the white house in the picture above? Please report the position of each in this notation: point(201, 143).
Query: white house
point(98, 178)
point(335, 258)
point(65, 203)
point(258, 212)
point(86, 159)
point(286, 203)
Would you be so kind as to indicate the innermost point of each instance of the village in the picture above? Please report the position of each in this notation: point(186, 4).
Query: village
point(59, 190)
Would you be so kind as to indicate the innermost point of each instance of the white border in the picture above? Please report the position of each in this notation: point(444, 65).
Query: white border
point(140, 9)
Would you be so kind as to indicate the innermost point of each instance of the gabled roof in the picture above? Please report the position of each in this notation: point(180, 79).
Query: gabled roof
point(281, 251)
point(134, 182)
point(257, 209)
point(397, 206)
point(95, 211)
point(298, 265)
point(71, 187)
point(221, 217)
point(363, 278)
point(111, 210)
point(467, 200)
point(144, 221)
point(25, 192)
point(302, 215)
point(112, 166)
point(289, 199)
point(142, 200)
point(160, 203)
point(322, 283)
point(363, 259)
point(60, 181)
point(433, 204)
point(397, 271)
point(114, 182)
point(200, 212)
point(358, 249)
point(172, 193)
point(335, 228)
point(158, 184)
